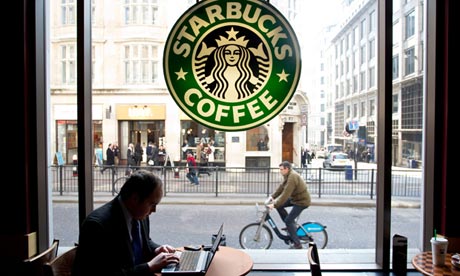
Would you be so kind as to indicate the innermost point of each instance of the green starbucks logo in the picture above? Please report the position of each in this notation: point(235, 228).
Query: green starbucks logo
point(232, 65)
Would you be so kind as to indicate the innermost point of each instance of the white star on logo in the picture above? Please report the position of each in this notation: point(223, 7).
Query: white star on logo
point(283, 76)
point(181, 74)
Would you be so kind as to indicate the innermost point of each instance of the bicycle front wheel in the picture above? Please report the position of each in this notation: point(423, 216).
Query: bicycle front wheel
point(250, 240)
point(116, 186)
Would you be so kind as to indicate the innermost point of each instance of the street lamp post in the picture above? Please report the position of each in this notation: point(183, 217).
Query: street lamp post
point(355, 149)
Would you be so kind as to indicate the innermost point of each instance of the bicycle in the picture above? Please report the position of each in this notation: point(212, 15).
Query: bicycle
point(119, 181)
point(258, 235)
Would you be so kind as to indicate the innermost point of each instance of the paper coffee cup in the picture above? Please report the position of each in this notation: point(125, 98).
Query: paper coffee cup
point(439, 249)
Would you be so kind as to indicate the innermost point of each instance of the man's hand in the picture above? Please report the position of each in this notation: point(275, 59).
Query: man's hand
point(165, 248)
point(161, 260)
point(270, 206)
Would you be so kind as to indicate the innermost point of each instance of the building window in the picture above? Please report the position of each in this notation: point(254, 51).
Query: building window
point(141, 64)
point(347, 64)
point(371, 77)
point(68, 12)
point(140, 12)
point(395, 103)
point(372, 21)
point(355, 110)
point(353, 36)
point(412, 106)
point(257, 139)
point(323, 108)
point(395, 66)
point(348, 87)
point(341, 46)
point(409, 61)
point(362, 81)
point(353, 62)
point(355, 83)
point(68, 64)
point(362, 29)
point(371, 107)
point(410, 24)
point(371, 49)
point(362, 110)
point(396, 32)
point(363, 55)
point(348, 111)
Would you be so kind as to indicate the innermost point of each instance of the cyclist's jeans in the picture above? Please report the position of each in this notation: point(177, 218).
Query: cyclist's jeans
point(289, 218)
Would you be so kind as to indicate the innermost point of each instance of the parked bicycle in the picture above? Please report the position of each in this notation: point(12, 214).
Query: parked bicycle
point(259, 235)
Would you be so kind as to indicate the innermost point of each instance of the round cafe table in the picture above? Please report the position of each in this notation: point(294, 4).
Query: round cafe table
point(229, 261)
point(423, 262)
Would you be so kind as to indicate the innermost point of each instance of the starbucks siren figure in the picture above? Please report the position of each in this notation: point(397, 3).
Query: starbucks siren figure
point(232, 77)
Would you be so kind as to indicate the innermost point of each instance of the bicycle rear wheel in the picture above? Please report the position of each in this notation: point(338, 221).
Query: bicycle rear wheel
point(116, 186)
point(248, 239)
point(315, 232)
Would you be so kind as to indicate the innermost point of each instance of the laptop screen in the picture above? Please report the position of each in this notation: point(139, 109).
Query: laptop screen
point(218, 239)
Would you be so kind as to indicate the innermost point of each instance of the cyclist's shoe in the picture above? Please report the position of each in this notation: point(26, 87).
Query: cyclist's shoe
point(294, 246)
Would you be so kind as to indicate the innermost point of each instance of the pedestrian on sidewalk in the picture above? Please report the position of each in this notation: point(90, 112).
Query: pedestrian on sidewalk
point(110, 162)
point(191, 169)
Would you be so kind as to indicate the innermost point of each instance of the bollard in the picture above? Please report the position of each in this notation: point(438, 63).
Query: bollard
point(75, 165)
point(348, 173)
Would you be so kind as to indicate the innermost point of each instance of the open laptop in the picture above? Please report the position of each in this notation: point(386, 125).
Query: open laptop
point(195, 262)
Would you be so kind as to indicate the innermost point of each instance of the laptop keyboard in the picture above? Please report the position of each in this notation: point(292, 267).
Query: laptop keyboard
point(188, 260)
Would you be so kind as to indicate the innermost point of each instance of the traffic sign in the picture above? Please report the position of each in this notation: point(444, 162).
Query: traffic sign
point(353, 125)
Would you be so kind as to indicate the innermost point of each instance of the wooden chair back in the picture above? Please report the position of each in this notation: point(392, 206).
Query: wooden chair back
point(34, 265)
point(62, 264)
point(313, 259)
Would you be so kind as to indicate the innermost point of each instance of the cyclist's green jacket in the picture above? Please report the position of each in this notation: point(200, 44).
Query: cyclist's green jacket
point(293, 187)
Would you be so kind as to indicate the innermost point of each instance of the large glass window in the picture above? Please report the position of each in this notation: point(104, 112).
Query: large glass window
point(67, 138)
point(257, 139)
point(122, 63)
point(192, 134)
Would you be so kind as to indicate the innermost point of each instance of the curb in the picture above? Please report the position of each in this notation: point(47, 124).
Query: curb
point(200, 199)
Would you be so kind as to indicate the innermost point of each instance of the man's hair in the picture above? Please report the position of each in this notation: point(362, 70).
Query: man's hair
point(286, 164)
point(142, 183)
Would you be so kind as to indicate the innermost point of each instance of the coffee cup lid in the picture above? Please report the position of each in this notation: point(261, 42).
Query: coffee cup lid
point(439, 240)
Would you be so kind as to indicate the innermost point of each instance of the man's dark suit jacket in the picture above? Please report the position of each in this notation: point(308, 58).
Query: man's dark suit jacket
point(104, 246)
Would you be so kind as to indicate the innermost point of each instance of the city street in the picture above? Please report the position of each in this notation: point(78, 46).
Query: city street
point(178, 225)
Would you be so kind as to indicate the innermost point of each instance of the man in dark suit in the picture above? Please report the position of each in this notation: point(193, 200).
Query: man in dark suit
point(110, 159)
point(106, 244)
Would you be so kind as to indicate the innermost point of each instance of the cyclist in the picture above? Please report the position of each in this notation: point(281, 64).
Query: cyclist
point(292, 192)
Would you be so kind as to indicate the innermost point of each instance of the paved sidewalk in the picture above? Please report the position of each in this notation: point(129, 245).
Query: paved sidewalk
point(248, 199)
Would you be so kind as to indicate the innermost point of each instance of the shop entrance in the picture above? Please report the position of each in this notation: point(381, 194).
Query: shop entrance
point(288, 142)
